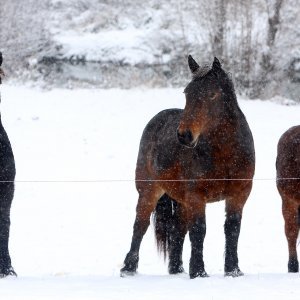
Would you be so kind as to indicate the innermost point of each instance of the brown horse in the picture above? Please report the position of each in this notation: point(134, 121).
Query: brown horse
point(188, 158)
point(288, 185)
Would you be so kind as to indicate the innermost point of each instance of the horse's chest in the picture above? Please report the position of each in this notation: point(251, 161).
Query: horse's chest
point(206, 160)
point(188, 162)
point(199, 162)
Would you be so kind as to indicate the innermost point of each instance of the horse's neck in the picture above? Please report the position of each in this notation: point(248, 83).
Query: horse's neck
point(231, 107)
point(222, 131)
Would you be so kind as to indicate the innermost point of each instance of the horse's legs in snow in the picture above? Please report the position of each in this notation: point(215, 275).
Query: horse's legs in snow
point(232, 226)
point(6, 196)
point(178, 232)
point(147, 201)
point(290, 214)
point(197, 232)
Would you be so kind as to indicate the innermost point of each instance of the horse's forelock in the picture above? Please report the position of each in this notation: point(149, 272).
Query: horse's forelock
point(224, 79)
point(201, 71)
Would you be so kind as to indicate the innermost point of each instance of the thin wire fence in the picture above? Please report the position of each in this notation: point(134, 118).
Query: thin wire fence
point(150, 180)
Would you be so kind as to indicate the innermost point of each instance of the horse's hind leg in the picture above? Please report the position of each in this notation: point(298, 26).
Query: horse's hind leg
point(6, 196)
point(290, 215)
point(178, 232)
point(146, 204)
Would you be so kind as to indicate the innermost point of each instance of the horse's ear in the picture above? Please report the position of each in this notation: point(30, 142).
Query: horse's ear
point(216, 64)
point(192, 64)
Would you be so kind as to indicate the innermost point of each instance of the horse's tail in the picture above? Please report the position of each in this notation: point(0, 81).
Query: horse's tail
point(299, 223)
point(165, 217)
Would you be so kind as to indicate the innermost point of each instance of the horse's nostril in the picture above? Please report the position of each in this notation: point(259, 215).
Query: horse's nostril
point(185, 138)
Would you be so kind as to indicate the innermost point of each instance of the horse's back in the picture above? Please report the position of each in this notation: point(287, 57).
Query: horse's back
point(159, 136)
point(166, 118)
point(288, 163)
point(288, 153)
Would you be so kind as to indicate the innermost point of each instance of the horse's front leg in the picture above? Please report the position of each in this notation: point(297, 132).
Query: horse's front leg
point(146, 204)
point(197, 233)
point(6, 196)
point(232, 226)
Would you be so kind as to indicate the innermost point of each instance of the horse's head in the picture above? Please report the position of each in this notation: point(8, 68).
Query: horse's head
point(203, 101)
point(1, 71)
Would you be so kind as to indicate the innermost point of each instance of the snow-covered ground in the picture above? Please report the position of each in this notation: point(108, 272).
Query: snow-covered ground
point(70, 231)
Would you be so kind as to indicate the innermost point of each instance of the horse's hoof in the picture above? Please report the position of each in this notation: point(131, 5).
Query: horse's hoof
point(176, 270)
point(8, 272)
point(201, 274)
point(293, 265)
point(126, 273)
point(235, 273)
point(293, 270)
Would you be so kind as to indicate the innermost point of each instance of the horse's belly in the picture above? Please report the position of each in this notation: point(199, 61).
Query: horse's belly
point(207, 186)
point(207, 191)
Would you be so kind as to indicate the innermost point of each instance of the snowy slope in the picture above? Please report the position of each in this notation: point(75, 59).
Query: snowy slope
point(69, 239)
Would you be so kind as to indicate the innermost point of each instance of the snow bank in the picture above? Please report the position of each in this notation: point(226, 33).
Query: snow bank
point(69, 239)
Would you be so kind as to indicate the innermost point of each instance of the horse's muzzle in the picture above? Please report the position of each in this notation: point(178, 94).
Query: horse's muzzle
point(186, 138)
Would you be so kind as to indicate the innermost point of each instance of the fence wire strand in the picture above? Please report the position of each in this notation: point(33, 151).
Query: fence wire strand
point(149, 180)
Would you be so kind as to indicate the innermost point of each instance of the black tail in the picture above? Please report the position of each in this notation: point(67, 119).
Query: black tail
point(165, 218)
point(298, 219)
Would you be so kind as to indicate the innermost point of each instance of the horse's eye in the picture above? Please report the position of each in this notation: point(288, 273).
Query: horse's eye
point(213, 96)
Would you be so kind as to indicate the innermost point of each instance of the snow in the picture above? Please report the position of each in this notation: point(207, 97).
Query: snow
point(69, 236)
point(127, 46)
point(112, 32)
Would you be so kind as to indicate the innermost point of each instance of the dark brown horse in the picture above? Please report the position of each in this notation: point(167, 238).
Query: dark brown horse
point(7, 177)
point(188, 158)
point(288, 184)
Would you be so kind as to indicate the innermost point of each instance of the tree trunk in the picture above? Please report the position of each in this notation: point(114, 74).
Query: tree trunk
point(218, 40)
point(267, 63)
